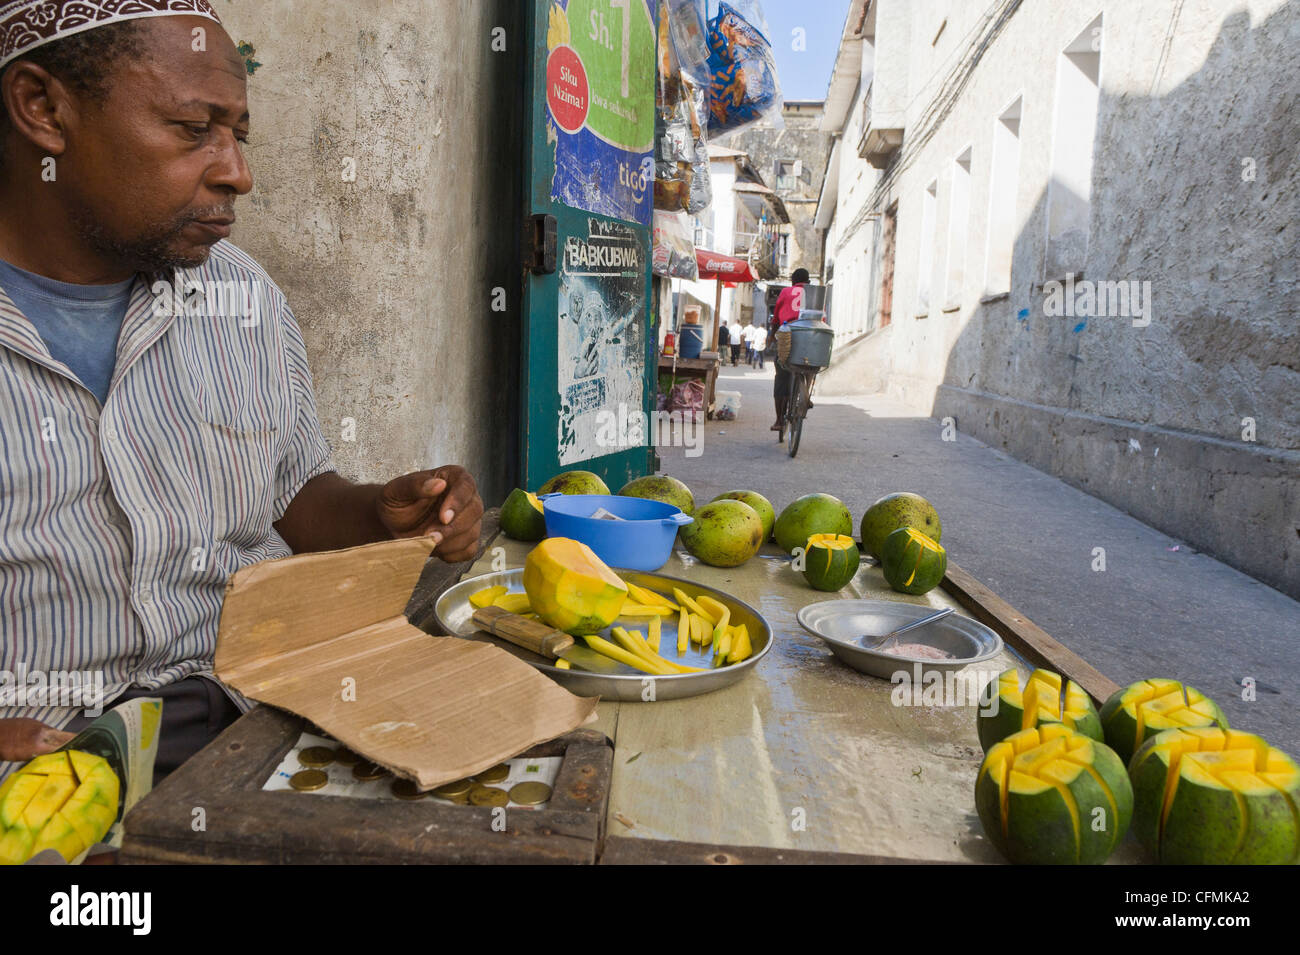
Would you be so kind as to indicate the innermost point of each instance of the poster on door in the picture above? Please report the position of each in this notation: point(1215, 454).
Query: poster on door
point(600, 73)
point(602, 343)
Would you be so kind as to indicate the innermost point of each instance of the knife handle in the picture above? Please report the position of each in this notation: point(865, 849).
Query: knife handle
point(522, 632)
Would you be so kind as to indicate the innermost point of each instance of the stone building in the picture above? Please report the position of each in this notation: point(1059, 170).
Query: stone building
point(1072, 231)
point(792, 161)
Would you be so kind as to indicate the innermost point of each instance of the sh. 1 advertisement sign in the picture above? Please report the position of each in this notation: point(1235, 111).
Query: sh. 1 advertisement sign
point(600, 74)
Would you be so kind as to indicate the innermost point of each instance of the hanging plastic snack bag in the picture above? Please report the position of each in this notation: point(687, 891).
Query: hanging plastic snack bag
point(673, 249)
point(674, 143)
point(744, 87)
point(689, 35)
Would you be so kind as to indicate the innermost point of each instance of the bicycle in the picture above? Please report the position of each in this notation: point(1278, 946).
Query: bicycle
point(796, 407)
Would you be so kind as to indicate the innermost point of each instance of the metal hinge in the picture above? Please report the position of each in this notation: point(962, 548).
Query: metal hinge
point(540, 243)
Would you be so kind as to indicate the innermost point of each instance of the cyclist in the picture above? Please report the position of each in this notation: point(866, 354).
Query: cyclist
point(788, 304)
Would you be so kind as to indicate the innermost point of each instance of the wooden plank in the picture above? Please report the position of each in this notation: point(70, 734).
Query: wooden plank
point(1023, 635)
point(692, 367)
point(624, 850)
point(438, 576)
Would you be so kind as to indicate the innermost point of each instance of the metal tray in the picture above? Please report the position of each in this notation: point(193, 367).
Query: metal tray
point(453, 611)
point(843, 623)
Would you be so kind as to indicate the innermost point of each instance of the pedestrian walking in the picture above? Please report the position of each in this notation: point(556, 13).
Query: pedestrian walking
point(756, 345)
point(747, 340)
point(734, 328)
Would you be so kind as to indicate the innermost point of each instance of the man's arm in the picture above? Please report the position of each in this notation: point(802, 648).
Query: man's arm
point(330, 513)
point(24, 739)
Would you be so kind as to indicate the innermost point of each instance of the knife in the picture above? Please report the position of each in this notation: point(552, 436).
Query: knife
point(543, 640)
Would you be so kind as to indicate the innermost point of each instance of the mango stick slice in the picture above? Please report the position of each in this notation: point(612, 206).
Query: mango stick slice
point(634, 660)
point(691, 605)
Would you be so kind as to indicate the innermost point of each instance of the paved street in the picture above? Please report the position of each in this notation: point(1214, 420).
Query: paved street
point(1159, 608)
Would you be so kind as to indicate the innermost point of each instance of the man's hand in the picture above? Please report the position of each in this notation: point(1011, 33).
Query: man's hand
point(442, 503)
point(330, 513)
point(23, 739)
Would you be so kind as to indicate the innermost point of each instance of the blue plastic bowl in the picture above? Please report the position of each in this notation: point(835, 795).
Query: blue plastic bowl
point(642, 540)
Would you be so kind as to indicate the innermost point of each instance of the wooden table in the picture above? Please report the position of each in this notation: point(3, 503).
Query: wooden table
point(705, 367)
point(804, 760)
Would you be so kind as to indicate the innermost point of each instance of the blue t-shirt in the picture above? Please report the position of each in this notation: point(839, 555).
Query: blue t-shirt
point(79, 324)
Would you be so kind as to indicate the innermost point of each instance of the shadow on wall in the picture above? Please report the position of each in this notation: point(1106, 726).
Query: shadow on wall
point(1166, 378)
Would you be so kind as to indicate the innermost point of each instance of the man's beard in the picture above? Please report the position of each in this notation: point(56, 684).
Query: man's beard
point(154, 250)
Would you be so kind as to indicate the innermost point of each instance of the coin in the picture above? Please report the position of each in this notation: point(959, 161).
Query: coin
point(405, 789)
point(461, 800)
point(368, 771)
point(530, 794)
point(493, 775)
point(316, 756)
point(460, 787)
point(345, 757)
point(308, 780)
point(482, 795)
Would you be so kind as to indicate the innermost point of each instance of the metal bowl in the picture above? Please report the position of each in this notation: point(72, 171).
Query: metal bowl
point(453, 611)
point(844, 624)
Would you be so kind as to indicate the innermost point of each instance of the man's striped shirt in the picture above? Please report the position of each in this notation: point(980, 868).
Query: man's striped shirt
point(119, 525)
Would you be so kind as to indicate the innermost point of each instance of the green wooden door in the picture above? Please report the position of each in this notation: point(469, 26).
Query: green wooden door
point(589, 347)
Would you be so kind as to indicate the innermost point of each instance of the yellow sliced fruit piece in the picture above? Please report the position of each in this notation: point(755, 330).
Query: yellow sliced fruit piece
point(83, 764)
point(104, 777)
point(691, 605)
point(634, 660)
point(562, 665)
point(723, 619)
point(51, 764)
point(59, 835)
point(702, 630)
point(22, 790)
point(649, 597)
point(649, 653)
point(54, 792)
point(624, 640)
point(91, 821)
point(644, 610)
point(656, 631)
point(8, 784)
point(16, 845)
point(683, 631)
point(513, 603)
point(486, 597)
point(721, 646)
point(741, 649)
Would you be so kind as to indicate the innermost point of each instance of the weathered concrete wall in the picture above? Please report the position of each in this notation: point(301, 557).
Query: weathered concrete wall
point(1194, 189)
point(391, 275)
point(801, 138)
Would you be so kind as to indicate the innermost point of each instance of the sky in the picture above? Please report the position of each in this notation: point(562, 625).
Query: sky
point(804, 74)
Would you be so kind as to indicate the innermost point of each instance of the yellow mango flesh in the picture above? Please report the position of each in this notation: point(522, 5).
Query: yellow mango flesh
point(64, 801)
point(486, 597)
point(570, 588)
point(512, 603)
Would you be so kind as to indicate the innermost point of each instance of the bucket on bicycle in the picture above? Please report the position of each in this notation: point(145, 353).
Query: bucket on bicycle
point(810, 343)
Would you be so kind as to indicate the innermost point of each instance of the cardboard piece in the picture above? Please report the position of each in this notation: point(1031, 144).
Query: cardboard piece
point(324, 636)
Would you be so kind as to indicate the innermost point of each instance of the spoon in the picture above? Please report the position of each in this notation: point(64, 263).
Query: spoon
point(906, 628)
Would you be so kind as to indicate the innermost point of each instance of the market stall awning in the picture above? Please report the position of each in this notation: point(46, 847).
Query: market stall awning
point(727, 268)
